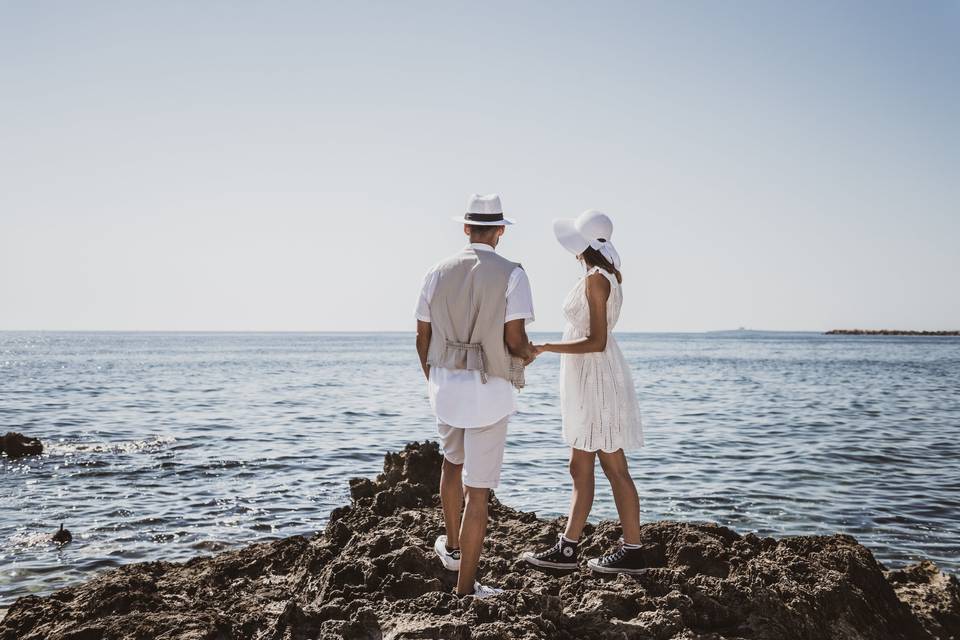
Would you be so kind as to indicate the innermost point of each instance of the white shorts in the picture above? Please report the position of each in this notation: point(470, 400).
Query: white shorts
point(478, 449)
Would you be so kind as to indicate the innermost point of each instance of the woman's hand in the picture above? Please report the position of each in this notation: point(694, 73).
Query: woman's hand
point(539, 348)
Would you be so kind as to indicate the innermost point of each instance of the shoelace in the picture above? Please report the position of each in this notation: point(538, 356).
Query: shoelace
point(614, 557)
point(549, 552)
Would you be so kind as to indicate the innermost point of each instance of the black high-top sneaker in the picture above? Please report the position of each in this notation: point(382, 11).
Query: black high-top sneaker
point(562, 555)
point(623, 560)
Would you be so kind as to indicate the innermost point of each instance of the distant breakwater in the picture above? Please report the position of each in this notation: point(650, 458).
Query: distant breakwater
point(889, 332)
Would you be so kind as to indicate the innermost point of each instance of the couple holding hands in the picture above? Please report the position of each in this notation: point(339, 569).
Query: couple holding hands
point(473, 347)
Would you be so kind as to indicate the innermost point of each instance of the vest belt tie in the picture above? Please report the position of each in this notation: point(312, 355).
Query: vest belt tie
point(476, 348)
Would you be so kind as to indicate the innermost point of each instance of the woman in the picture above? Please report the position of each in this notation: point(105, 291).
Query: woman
point(598, 402)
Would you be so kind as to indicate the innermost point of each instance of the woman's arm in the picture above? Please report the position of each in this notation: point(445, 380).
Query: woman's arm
point(598, 291)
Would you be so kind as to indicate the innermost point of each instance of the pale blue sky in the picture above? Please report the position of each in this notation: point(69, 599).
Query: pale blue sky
point(293, 166)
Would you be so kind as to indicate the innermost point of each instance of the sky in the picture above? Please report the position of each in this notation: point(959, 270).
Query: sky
point(294, 165)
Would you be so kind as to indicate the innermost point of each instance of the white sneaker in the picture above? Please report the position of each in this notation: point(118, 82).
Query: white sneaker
point(450, 559)
point(480, 591)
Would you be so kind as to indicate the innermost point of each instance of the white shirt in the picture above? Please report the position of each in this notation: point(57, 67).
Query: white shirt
point(458, 397)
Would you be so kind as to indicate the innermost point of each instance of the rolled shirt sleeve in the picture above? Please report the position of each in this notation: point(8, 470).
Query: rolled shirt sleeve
point(519, 297)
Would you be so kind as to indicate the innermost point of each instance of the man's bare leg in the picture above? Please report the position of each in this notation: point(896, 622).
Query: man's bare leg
point(472, 531)
point(451, 497)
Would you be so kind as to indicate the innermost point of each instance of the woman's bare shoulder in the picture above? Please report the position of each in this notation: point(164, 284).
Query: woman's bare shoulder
point(598, 284)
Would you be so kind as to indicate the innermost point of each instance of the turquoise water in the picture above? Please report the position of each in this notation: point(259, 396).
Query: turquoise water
point(168, 445)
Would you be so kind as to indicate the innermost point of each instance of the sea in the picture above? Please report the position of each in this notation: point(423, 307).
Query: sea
point(165, 446)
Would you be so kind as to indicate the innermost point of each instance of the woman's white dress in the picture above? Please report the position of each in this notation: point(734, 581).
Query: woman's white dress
point(597, 398)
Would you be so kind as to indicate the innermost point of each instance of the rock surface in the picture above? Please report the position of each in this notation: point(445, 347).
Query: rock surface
point(372, 575)
point(17, 445)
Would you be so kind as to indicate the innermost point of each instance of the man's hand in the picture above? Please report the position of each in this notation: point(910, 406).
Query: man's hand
point(533, 355)
point(424, 333)
point(518, 344)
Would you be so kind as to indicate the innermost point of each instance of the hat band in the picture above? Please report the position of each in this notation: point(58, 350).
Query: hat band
point(483, 217)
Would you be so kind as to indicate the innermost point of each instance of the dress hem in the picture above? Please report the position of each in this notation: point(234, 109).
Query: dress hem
point(625, 448)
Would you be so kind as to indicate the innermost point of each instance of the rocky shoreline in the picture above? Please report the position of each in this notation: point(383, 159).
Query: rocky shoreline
point(371, 575)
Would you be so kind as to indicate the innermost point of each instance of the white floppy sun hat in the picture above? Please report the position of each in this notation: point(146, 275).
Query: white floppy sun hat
point(485, 211)
point(590, 229)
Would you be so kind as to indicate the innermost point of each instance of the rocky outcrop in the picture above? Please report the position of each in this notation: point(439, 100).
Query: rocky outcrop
point(17, 445)
point(372, 575)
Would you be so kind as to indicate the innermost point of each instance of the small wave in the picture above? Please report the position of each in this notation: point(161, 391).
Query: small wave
point(35, 539)
point(134, 446)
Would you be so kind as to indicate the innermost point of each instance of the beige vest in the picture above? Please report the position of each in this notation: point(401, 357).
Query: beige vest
point(467, 314)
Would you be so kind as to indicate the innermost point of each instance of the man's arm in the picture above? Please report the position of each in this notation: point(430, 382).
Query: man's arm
point(519, 311)
point(518, 344)
point(424, 331)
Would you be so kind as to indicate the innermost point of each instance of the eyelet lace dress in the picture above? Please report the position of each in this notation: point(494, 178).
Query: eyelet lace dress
point(597, 398)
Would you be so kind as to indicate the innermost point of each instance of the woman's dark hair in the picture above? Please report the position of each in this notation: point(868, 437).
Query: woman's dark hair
point(593, 258)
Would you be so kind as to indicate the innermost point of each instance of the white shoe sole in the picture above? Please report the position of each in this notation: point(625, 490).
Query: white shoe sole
point(448, 563)
point(593, 566)
point(480, 591)
point(528, 557)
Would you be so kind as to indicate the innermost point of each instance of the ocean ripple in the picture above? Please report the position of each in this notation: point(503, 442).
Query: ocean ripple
point(162, 446)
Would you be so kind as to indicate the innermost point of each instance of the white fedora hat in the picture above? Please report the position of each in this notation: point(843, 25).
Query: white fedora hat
point(590, 229)
point(484, 211)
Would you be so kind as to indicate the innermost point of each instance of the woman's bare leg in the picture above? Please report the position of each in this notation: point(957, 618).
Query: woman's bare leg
point(624, 493)
point(581, 501)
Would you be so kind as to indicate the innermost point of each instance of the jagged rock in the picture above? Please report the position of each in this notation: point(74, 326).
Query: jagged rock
point(934, 597)
point(372, 575)
point(17, 445)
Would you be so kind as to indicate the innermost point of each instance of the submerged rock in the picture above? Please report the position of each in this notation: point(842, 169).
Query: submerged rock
point(17, 445)
point(372, 574)
point(63, 536)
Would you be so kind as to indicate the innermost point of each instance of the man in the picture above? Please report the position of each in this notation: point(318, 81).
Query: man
point(473, 346)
